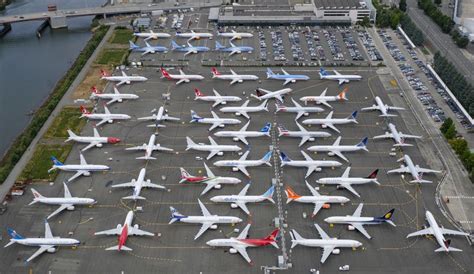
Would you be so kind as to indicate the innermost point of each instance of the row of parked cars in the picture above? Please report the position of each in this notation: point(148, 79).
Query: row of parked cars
point(263, 46)
point(296, 50)
point(369, 45)
point(177, 22)
point(277, 46)
point(316, 50)
point(351, 45)
point(333, 45)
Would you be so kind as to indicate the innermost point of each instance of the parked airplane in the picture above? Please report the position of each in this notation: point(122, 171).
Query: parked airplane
point(105, 117)
point(241, 199)
point(337, 149)
point(149, 148)
point(298, 109)
point(151, 35)
point(193, 35)
point(217, 98)
point(242, 163)
point(317, 199)
point(207, 219)
point(67, 202)
point(189, 49)
point(341, 78)
point(438, 232)
point(263, 94)
point(233, 49)
point(242, 134)
point(288, 78)
point(329, 122)
point(137, 185)
point(235, 35)
point(210, 179)
point(48, 243)
point(397, 136)
point(355, 221)
point(233, 77)
point(346, 182)
point(415, 170)
point(214, 148)
point(245, 109)
point(383, 108)
point(112, 97)
point(302, 133)
point(81, 169)
point(147, 48)
point(329, 245)
point(123, 79)
point(123, 232)
point(310, 164)
point(242, 241)
point(215, 120)
point(159, 116)
point(93, 141)
point(181, 77)
point(324, 99)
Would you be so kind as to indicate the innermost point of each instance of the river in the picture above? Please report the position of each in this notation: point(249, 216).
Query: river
point(30, 67)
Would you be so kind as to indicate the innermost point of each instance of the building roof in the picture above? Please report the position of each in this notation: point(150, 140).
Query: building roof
point(338, 4)
point(213, 14)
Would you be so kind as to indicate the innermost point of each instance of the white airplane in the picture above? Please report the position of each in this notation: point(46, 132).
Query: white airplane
point(245, 109)
point(383, 108)
point(310, 164)
point(242, 163)
point(188, 49)
point(147, 48)
point(263, 94)
point(123, 79)
point(210, 179)
point(324, 99)
point(298, 109)
point(329, 122)
point(233, 77)
point(288, 78)
point(207, 219)
point(241, 199)
point(438, 232)
point(48, 243)
point(317, 199)
point(123, 232)
point(215, 120)
point(181, 77)
point(138, 184)
point(355, 221)
point(346, 182)
point(235, 35)
point(159, 116)
point(151, 35)
point(341, 78)
point(149, 148)
point(415, 170)
point(337, 149)
point(214, 148)
point(112, 97)
point(242, 134)
point(93, 141)
point(302, 133)
point(105, 117)
point(67, 202)
point(217, 98)
point(397, 136)
point(194, 35)
point(81, 169)
point(242, 241)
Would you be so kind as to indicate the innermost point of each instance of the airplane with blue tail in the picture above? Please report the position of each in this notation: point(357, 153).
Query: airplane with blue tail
point(147, 48)
point(233, 49)
point(241, 199)
point(243, 134)
point(83, 168)
point(242, 163)
point(188, 49)
point(337, 149)
point(288, 78)
point(342, 78)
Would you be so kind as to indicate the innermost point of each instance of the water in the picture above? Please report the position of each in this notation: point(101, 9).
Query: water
point(30, 67)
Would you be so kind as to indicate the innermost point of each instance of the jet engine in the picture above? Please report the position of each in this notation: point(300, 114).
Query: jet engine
point(232, 250)
point(70, 207)
point(233, 205)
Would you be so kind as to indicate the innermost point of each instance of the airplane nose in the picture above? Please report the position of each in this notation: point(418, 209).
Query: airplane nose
point(327, 220)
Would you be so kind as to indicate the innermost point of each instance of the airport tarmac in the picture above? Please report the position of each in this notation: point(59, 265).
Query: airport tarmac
point(173, 249)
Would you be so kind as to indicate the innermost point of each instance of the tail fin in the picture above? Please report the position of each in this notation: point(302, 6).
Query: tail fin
point(259, 93)
point(322, 72)
point(266, 129)
point(174, 45)
point(272, 237)
point(284, 158)
point(266, 158)
point(291, 194)
point(119, 248)
point(71, 135)
point(215, 72)
point(132, 45)
point(194, 116)
point(282, 130)
point(353, 115)
point(84, 110)
point(103, 73)
point(447, 247)
point(342, 96)
point(165, 74)
point(198, 93)
point(295, 237)
point(373, 175)
point(269, 194)
point(175, 215)
point(14, 235)
point(95, 90)
point(184, 175)
point(387, 217)
point(363, 143)
point(56, 161)
point(219, 46)
point(269, 73)
point(36, 194)
point(190, 143)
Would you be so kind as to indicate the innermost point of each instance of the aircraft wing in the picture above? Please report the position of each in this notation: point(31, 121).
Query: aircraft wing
point(317, 207)
point(244, 170)
point(340, 155)
point(57, 211)
point(243, 139)
point(121, 83)
point(341, 81)
point(103, 121)
point(371, 108)
point(160, 148)
point(243, 206)
point(212, 153)
point(79, 173)
point(300, 113)
point(310, 170)
point(47, 231)
point(453, 232)
point(142, 147)
point(150, 185)
point(426, 231)
point(170, 118)
point(209, 172)
point(351, 189)
point(403, 169)
point(135, 231)
point(180, 81)
point(204, 227)
point(90, 145)
point(358, 211)
point(204, 210)
point(395, 108)
point(233, 52)
point(217, 102)
point(113, 231)
point(208, 187)
point(244, 113)
point(361, 229)
point(40, 251)
point(146, 52)
point(426, 170)
point(304, 139)
point(214, 125)
point(243, 251)
point(111, 101)
point(324, 102)
point(387, 135)
point(327, 250)
point(279, 98)
point(129, 184)
point(288, 80)
point(331, 126)
point(234, 81)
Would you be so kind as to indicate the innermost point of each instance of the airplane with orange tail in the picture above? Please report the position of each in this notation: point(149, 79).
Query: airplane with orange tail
point(317, 199)
point(324, 99)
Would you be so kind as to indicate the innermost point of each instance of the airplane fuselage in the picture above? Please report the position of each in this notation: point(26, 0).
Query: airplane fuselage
point(46, 241)
point(237, 198)
point(336, 121)
point(62, 201)
point(82, 167)
point(321, 198)
point(300, 134)
point(235, 163)
point(109, 117)
point(215, 219)
point(126, 79)
point(203, 147)
point(227, 121)
point(317, 163)
point(342, 180)
point(334, 148)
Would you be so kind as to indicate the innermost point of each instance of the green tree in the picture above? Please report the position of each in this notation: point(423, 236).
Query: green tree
point(446, 124)
point(451, 132)
point(459, 145)
point(403, 5)
point(437, 2)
